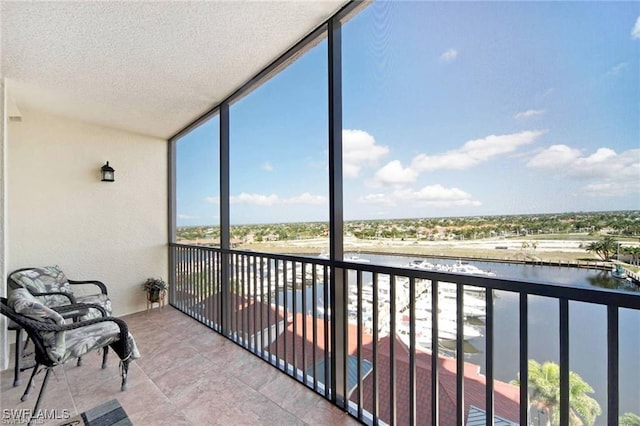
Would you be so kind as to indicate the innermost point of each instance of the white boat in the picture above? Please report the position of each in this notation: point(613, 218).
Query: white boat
point(421, 264)
point(356, 259)
point(619, 272)
point(467, 268)
point(456, 268)
point(352, 258)
point(473, 306)
point(446, 326)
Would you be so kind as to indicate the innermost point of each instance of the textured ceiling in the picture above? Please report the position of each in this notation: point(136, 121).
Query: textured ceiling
point(146, 67)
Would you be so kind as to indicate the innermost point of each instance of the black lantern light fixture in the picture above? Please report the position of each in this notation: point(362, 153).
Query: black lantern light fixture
point(108, 173)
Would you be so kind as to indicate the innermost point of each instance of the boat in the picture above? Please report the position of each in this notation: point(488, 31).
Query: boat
point(351, 258)
point(356, 259)
point(466, 268)
point(447, 325)
point(619, 272)
point(421, 264)
point(456, 268)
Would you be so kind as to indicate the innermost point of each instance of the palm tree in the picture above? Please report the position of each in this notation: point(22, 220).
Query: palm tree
point(634, 252)
point(604, 248)
point(544, 391)
point(629, 419)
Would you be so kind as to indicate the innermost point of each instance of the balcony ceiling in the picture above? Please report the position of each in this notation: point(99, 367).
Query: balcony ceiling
point(145, 67)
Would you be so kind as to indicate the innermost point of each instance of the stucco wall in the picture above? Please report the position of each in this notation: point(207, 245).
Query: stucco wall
point(60, 213)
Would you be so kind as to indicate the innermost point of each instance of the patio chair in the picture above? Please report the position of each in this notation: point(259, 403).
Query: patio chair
point(56, 342)
point(73, 312)
point(53, 288)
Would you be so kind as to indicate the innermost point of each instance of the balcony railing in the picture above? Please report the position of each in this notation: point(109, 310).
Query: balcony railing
point(360, 334)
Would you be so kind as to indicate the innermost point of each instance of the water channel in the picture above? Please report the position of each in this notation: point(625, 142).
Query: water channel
point(588, 338)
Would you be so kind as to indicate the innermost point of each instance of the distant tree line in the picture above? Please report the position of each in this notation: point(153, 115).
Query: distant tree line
point(615, 224)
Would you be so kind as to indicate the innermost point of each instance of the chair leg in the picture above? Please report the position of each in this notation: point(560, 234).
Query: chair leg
point(79, 363)
point(124, 370)
point(30, 384)
point(104, 356)
point(44, 385)
point(18, 353)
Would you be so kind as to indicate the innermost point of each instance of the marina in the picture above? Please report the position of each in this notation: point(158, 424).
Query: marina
point(588, 322)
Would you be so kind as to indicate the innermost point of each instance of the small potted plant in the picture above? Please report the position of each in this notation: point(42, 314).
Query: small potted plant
point(155, 288)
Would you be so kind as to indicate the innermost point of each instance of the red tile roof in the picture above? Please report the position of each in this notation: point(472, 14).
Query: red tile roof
point(506, 396)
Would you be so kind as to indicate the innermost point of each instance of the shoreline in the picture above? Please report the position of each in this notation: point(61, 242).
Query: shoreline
point(500, 250)
point(549, 252)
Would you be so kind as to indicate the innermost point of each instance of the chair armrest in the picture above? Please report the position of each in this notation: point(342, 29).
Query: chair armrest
point(71, 297)
point(77, 310)
point(100, 284)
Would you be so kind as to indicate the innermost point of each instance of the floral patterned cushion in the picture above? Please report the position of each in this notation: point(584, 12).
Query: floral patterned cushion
point(44, 280)
point(26, 304)
point(64, 345)
point(98, 299)
point(85, 339)
point(52, 279)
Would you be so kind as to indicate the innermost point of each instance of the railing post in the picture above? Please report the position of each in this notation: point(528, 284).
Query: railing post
point(224, 219)
point(171, 219)
point(524, 359)
point(336, 225)
point(613, 344)
point(564, 361)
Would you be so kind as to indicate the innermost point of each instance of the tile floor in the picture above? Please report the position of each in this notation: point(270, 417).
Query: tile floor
point(188, 375)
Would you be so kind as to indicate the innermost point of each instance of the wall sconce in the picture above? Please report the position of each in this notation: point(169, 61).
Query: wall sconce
point(108, 173)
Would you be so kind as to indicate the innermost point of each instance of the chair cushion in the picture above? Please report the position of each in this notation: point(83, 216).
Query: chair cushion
point(74, 343)
point(86, 339)
point(44, 280)
point(24, 303)
point(98, 299)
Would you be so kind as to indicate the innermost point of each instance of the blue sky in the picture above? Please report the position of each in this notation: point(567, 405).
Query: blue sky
point(449, 109)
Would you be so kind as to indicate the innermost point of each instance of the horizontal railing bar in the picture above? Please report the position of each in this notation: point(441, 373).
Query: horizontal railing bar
point(534, 288)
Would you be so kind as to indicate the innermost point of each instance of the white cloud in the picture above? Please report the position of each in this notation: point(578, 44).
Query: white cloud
point(635, 32)
point(267, 166)
point(359, 149)
point(186, 216)
point(529, 113)
point(553, 157)
point(381, 199)
point(615, 70)
point(449, 55)
point(548, 92)
point(607, 172)
point(475, 152)
point(603, 189)
point(437, 195)
point(601, 156)
point(394, 174)
point(430, 195)
point(273, 199)
point(258, 199)
point(306, 198)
